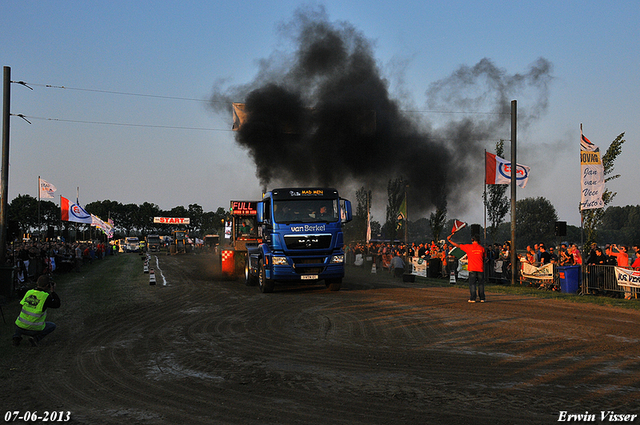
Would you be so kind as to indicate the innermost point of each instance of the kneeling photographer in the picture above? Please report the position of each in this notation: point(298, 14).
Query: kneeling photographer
point(32, 319)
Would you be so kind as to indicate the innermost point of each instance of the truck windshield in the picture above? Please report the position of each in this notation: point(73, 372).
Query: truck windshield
point(306, 211)
point(246, 227)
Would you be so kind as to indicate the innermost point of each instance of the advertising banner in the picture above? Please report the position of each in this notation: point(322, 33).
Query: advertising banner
point(592, 170)
point(626, 277)
point(171, 220)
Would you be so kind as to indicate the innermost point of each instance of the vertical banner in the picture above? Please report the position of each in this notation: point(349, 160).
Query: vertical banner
point(592, 169)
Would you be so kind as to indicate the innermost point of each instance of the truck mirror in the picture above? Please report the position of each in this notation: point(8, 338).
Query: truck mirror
point(345, 211)
point(260, 212)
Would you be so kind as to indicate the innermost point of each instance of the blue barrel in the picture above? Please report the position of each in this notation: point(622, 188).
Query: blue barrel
point(569, 279)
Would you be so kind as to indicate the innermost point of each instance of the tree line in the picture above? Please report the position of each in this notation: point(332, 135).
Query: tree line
point(536, 218)
point(25, 215)
point(535, 222)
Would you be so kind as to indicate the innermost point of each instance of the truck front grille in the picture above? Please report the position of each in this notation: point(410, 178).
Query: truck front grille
point(298, 261)
point(309, 270)
point(307, 241)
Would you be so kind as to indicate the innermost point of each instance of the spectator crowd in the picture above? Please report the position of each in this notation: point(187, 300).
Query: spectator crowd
point(33, 259)
point(498, 256)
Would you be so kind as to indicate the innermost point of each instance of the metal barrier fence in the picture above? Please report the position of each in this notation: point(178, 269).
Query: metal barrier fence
point(497, 271)
point(594, 279)
point(601, 280)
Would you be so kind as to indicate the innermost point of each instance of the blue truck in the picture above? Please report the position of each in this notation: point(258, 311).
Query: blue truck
point(302, 240)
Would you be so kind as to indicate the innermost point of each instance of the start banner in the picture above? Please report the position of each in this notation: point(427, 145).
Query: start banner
point(171, 220)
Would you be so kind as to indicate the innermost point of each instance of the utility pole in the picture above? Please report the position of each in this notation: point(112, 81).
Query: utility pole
point(406, 224)
point(4, 179)
point(514, 166)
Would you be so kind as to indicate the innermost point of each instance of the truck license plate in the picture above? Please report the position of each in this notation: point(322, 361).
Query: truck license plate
point(309, 276)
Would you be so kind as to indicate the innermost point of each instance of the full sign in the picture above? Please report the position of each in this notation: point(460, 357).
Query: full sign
point(244, 207)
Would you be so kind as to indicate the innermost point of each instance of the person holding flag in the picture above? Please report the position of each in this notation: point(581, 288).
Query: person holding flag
point(475, 257)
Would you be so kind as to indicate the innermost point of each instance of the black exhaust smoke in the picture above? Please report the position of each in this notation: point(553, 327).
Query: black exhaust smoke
point(324, 116)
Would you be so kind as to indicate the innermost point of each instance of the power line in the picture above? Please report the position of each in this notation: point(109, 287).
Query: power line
point(428, 111)
point(455, 112)
point(156, 96)
point(121, 93)
point(119, 124)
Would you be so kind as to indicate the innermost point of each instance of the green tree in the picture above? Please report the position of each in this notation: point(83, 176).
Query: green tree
point(376, 229)
point(49, 214)
point(419, 230)
point(178, 211)
point(146, 212)
point(496, 200)
point(195, 218)
point(363, 199)
point(620, 225)
point(23, 211)
point(535, 221)
point(395, 192)
point(212, 222)
point(592, 218)
point(438, 218)
point(130, 220)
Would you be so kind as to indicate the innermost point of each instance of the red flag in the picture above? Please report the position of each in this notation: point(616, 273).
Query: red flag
point(490, 168)
point(457, 225)
point(64, 208)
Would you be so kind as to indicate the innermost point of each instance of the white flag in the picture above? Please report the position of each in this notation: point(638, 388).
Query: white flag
point(46, 189)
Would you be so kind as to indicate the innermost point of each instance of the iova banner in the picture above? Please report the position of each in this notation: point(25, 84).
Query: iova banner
point(592, 175)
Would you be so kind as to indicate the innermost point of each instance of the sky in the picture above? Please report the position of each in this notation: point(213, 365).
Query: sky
point(120, 108)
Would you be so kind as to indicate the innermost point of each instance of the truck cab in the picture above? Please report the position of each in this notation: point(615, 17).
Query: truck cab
point(153, 243)
point(243, 232)
point(179, 242)
point(302, 238)
point(132, 244)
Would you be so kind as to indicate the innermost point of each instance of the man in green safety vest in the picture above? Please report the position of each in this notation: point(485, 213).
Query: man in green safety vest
point(32, 319)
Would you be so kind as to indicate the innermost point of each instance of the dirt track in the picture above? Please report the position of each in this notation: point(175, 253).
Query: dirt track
point(379, 351)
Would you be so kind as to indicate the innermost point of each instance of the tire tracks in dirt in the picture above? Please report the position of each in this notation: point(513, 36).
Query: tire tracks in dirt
point(202, 350)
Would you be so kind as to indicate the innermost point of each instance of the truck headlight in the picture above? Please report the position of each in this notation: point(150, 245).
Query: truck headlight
point(279, 261)
point(337, 259)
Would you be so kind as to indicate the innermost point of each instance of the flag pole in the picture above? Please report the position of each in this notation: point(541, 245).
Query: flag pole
point(406, 224)
point(581, 212)
point(514, 164)
point(4, 172)
point(39, 224)
point(485, 196)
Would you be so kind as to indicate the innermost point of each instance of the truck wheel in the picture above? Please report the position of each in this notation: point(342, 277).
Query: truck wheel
point(333, 284)
point(249, 280)
point(266, 285)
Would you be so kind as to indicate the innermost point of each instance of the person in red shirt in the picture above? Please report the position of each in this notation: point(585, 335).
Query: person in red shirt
point(621, 254)
point(475, 257)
